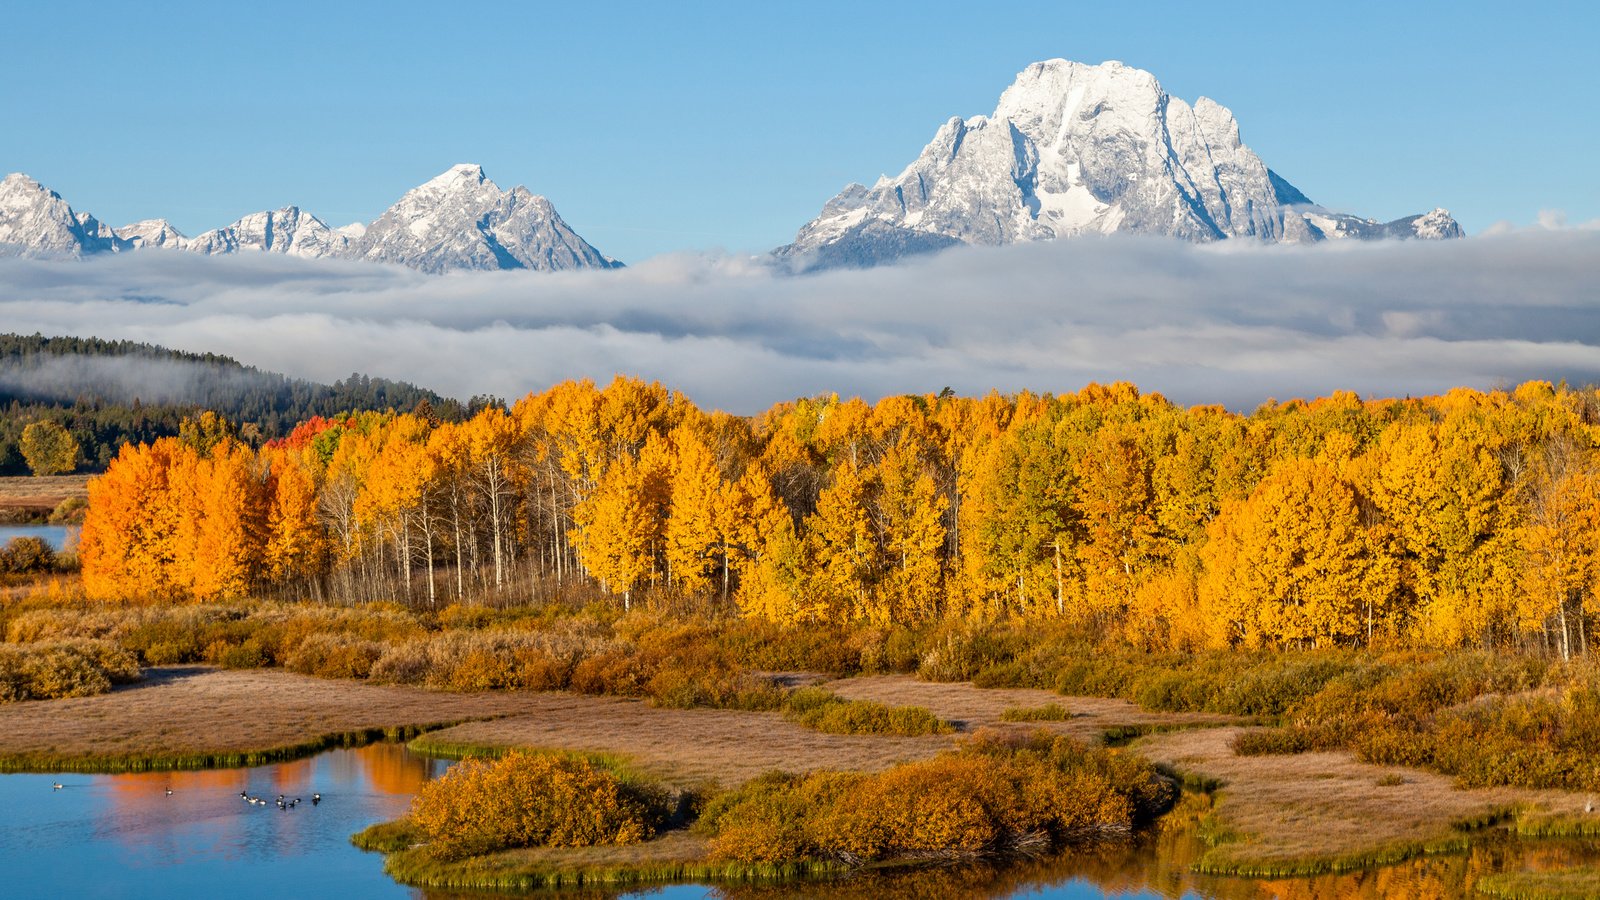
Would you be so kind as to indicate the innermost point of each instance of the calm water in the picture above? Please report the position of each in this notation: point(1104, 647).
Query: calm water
point(124, 836)
point(57, 536)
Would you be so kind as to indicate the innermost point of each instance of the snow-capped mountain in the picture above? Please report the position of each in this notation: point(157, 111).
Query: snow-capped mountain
point(153, 233)
point(1076, 149)
point(35, 221)
point(459, 220)
point(462, 220)
point(288, 230)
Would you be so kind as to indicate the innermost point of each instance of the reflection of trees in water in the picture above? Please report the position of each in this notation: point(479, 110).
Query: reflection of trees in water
point(1158, 864)
point(212, 820)
point(392, 769)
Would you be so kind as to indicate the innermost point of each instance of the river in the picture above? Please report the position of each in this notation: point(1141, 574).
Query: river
point(57, 536)
point(125, 836)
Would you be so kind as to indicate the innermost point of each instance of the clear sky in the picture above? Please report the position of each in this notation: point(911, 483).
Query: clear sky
point(657, 127)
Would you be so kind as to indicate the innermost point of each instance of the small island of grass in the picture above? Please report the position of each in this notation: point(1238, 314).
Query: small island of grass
point(537, 819)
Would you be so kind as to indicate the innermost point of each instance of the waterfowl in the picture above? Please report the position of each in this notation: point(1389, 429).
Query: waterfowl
point(243, 796)
point(56, 787)
point(169, 792)
point(315, 799)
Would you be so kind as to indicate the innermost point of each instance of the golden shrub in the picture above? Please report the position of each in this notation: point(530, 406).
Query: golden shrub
point(527, 800)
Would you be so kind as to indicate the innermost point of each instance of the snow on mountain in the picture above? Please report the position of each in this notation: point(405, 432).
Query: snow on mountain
point(153, 233)
point(462, 220)
point(288, 230)
point(459, 220)
point(1076, 149)
point(35, 221)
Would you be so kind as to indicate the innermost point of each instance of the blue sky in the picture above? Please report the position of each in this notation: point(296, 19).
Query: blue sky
point(657, 127)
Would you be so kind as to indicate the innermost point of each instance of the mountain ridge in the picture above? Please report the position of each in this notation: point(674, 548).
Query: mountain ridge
point(1074, 149)
point(459, 220)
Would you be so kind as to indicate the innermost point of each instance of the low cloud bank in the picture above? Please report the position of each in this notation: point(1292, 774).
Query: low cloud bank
point(1228, 323)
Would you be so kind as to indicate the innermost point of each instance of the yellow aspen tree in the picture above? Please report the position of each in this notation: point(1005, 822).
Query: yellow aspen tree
point(842, 547)
point(491, 444)
point(695, 545)
point(1561, 498)
point(1294, 565)
point(296, 546)
point(230, 523)
point(615, 531)
point(767, 552)
point(1114, 502)
point(911, 520)
point(129, 537)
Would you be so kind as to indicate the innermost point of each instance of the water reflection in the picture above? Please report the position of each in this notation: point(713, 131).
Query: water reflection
point(1158, 866)
point(126, 836)
point(59, 537)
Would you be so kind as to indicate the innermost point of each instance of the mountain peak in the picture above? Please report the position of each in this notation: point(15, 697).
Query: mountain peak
point(458, 175)
point(458, 219)
point(1075, 148)
point(35, 221)
point(462, 220)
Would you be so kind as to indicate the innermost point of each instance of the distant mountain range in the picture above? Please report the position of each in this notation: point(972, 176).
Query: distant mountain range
point(1071, 149)
point(1076, 149)
point(459, 220)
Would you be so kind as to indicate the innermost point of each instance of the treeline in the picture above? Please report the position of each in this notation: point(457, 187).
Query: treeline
point(1465, 519)
point(108, 393)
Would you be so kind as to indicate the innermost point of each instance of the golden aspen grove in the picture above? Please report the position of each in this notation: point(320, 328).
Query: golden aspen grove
point(1470, 519)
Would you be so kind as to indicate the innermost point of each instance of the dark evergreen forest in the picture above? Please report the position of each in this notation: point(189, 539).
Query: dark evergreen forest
point(110, 392)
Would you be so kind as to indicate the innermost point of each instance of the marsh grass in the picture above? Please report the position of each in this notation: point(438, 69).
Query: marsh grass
point(821, 709)
point(1563, 884)
point(1311, 813)
point(1049, 712)
point(675, 856)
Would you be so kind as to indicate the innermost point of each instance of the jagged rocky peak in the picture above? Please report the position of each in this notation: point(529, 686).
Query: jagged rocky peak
point(1077, 149)
point(462, 220)
point(459, 220)
point(289, 230)
point(35, 221)
point(152, 234)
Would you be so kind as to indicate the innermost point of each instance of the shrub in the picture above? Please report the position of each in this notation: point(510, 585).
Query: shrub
point(993, 796)
point(71, 668)
point(27, 555)
point(334, 656)
point(528, 800)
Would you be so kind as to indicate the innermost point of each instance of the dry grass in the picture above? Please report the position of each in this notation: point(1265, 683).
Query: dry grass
point(178, 715)
point(1326, 811)
point(687, 746)
point(971, 707)
point(41, 494)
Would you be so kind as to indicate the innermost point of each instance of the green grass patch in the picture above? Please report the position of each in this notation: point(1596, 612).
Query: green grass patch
point(1564, 884)
point(109, 763)
point(1050, 712)
point(1556, 826)
point(673, 857)
point(822, 710)
point(1235, 858)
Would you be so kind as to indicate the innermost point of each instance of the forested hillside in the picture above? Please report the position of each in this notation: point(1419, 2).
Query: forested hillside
point(1468, 519)
point(107, 393)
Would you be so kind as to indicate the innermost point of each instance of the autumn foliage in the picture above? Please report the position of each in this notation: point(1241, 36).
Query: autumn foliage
point(1468, 519)
point(994, 796)
point(533, 800)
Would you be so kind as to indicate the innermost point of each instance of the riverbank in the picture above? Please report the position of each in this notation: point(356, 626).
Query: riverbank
point(1273, 815)
point(28, 499)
